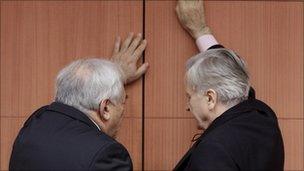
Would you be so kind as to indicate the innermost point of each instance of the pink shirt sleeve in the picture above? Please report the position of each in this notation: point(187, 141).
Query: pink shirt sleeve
point(206, 41)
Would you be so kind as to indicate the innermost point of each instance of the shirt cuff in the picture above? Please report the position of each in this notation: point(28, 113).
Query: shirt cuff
point(205, 42)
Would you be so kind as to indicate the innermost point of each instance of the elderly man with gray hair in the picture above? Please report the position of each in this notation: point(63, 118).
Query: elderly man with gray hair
point(77, 131)
point(239, 131)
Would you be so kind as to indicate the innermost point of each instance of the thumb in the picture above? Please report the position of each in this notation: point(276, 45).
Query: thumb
point(140, 71)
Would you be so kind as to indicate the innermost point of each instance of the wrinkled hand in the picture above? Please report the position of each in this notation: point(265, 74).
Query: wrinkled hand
point(126, 56)
point(191, 16)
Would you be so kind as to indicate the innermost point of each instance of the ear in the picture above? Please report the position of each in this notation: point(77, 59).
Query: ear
point(211, 97)
point(103, 110)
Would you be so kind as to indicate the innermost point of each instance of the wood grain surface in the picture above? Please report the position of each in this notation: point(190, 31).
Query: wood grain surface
point(268, 35)
point(38, 38)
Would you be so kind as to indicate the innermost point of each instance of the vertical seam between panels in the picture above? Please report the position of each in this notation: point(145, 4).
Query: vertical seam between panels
point(143, 92)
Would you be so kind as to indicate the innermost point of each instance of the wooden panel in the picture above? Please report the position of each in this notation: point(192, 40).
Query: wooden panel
point(130, 133)
point(169, 48)
point(38, 38)
point(166, 141)
point(269, 35)
point(9, 129)
point(292, 131)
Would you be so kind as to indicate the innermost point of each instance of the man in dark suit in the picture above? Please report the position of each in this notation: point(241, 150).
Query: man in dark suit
point(239, 131)
point(77, 131)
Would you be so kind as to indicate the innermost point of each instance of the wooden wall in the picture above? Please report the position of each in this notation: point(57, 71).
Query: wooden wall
point(268, 35)
point(38, 38)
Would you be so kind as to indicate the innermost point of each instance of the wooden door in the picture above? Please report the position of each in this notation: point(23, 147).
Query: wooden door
point(269, 35)
point(38, 38)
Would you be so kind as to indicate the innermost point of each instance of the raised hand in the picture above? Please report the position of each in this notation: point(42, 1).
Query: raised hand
point(126, 56)
point(192, 18)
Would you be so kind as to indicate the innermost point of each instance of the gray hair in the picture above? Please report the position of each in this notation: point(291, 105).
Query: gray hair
point(221, 70)
point(84, 83)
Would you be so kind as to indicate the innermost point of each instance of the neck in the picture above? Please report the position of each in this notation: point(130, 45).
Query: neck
point(96, 119)
point(217, 112)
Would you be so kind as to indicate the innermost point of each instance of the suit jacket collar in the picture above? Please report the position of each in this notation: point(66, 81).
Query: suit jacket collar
point(71, 112)
point(238, 110)
point(235, 111)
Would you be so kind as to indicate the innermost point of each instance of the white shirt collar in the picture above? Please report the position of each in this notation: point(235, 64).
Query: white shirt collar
point(95, 124)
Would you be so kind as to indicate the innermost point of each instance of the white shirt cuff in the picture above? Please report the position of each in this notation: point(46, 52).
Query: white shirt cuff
point(205, 42)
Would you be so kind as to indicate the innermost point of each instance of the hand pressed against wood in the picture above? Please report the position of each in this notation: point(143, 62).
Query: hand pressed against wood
point(126, 54)
point(192, 18)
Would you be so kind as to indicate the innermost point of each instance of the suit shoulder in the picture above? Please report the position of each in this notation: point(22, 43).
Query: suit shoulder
point(106, 142)
point(113, 156)
point(112, 146)
point(212, 155)
point(248, 123)
point(252, 133)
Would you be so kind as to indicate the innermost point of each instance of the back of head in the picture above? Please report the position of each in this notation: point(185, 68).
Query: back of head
point(221, 70)
point(84, 83)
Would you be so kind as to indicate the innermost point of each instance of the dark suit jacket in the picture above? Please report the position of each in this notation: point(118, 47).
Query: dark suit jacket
point(245, 137)
point(60, 137)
